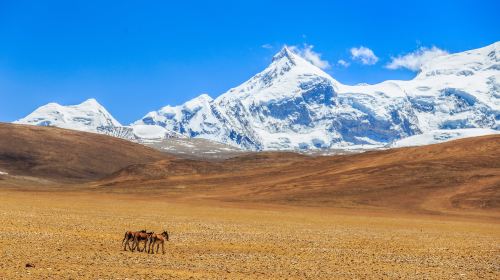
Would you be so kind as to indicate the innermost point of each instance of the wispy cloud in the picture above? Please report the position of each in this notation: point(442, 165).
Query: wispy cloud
point(343, 63)
point(414, 60)
point(308, 54)
point(364, 55)
point(267, 46)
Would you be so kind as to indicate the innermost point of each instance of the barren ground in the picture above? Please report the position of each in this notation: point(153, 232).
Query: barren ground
point(77, 235)
point(67, 197)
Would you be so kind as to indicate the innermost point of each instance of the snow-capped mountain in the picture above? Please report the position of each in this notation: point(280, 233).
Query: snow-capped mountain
point(459, 90)
point(87, 116)
point(295, 105)
point(194, 115)
point(90, 116)
point(291, 104)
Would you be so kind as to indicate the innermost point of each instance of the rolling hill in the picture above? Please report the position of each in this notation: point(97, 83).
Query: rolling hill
point(459, 174)
point(56, 153)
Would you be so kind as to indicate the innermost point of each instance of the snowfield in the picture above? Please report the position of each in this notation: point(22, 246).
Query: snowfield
point(441, 135)
point(294, 105)
point(150, 132)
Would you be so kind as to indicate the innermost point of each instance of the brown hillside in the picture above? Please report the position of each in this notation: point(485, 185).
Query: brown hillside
point(458, 174)
point(461, 174)
point(50, 152)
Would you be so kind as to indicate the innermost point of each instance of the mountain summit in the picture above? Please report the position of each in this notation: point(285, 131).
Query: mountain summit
point(283, 53)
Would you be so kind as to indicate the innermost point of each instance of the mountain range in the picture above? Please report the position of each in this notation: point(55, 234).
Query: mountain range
point(294, 105)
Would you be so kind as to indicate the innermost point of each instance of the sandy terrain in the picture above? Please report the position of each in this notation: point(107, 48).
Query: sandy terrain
point(78, 235)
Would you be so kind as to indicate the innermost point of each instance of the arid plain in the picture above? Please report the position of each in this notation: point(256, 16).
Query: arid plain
point(417, 213)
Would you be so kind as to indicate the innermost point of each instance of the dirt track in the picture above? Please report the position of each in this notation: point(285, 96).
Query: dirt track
point(78, 235)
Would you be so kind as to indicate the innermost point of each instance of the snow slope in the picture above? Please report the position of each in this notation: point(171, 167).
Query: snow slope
point(441, 135)
point(294, 105)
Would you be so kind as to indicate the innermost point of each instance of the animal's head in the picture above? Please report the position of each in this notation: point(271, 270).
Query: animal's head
point(165, 234)
point(150, 233)
point(143, 231)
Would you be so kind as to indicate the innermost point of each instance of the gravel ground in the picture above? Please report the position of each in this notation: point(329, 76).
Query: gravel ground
point(78, 236)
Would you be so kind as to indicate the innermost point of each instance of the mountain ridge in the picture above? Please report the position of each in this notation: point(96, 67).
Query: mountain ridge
point(294, 105)
point(319, 112)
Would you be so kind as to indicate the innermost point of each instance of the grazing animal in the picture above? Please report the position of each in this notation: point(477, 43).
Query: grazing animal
point(130, 237)
point(142, 236)
point(157, 239)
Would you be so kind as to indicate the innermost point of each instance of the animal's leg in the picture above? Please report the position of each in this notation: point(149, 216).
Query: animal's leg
point(125, 243)
point(131, 247)
point(151, 245)
point(134, 244)
point(137, 243)
point(157, 248)
point(163, 247)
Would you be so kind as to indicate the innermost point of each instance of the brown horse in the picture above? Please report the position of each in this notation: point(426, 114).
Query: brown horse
point(141, 237)
point(128, 237)
point(157, 239)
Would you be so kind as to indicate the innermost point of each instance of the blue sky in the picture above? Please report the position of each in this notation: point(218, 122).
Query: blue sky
point(137, 56)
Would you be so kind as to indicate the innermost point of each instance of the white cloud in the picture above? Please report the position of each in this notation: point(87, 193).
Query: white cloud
point(414, 60)
point(343, 63)
point(267, 46)
point(308, 54)
point(364, 55)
